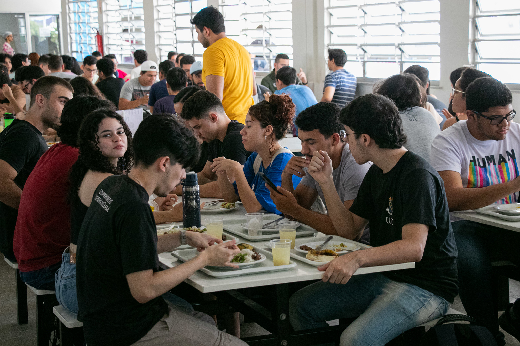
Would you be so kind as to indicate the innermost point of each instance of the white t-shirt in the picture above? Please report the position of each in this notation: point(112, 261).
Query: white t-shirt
point(133, 90)
point(479, 163)
point(136, 72)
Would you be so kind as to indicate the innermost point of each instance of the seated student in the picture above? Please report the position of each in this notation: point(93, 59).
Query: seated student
point(403, 198)
point(118, 278)
point(117, 72)
point(12, 98)
point(340, 85)
point(301, 96)
point(96, 54)
point(43, 62)
point(159, 89)
point(476, 160)
point(281, 60)
point(176, 80)
point(418, 124)
point(196, 74)
point(140, 56)
point(82, 86)
point(204, 113)
point(42, 234)
point(266, 123)
point(185, 63)
point(319, 130)
point(458, 92)
point(57, 68)
point(172, 56)
point(89, 69)
point(27, 76)
point(135, 92)
point(109, 85)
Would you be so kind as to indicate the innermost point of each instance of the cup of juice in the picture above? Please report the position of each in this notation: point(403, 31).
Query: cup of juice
point(281, 249)
point(215, 227)
point(288, 233)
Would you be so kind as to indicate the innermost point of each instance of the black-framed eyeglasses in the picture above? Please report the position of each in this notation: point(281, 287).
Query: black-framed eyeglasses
point(454, 91)
point(497, 119)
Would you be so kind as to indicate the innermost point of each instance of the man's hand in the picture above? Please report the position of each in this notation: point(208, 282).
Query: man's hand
point(340, 270)
point(447, 114)
point(201, 241)
point(266, 96)
point(296, 165)
point(8, 93)
point(302, 76)
point(285, 201)
point(221, 254)
point(166, 203)
point(320, 167)
point(143, 100)
point(221, 164)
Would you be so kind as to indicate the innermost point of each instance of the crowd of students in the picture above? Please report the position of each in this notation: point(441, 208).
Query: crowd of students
point(385, 168)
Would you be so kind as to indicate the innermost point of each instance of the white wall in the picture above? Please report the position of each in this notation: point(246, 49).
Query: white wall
point(30, 6)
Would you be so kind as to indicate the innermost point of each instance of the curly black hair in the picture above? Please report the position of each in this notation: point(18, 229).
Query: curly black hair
point(163, 135)
point(277, 112)
point(403, 89)
point(323, 116)
point(90, 156)
point(376, 116)
point(486, 92)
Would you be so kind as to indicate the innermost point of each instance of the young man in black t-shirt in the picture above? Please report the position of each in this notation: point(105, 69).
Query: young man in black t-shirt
point(205, 114)
point(22, 145)
point(109, 85)
point(119, 284)
point(403, 198)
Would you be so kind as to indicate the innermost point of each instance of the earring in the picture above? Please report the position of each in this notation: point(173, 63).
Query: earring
point(265, 137)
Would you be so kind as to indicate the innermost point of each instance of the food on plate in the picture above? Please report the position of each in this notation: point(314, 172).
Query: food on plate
point(228, 205)
point(334, 247)
point(321, 256)
point(246, 255)
point(191, 229)
point(306, 248)
point(196, 229)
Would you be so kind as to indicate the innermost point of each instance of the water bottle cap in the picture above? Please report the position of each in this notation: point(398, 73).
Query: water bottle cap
point(191, 179)
point(8, 116)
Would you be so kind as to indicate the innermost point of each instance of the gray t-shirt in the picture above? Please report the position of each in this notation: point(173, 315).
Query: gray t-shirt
point(347, 177)
point(420, 129)
point(133, 90)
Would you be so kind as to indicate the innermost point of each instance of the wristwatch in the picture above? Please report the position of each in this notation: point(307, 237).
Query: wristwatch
point(184, 239)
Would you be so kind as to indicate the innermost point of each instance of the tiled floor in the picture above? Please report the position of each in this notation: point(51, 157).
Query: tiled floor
point(11, 334)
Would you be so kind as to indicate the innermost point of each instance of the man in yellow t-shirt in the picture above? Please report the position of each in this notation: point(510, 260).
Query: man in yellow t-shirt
point(227, 70)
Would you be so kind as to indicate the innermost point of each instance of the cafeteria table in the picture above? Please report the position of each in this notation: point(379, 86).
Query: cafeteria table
point(273, 316)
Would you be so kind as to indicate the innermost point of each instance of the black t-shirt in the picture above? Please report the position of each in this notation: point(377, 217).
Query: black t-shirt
point(111, 88)
point(199, 166)
point(78, 210)
point(21, 146)
point(232, 147)
point(118, 237)
point(412, 192)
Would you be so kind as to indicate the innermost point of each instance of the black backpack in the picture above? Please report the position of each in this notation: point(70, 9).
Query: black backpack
point(446, 333)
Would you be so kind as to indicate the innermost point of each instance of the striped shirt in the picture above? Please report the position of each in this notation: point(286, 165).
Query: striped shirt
point(344, 84)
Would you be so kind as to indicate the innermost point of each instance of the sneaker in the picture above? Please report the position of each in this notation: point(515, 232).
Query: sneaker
point(508, 324)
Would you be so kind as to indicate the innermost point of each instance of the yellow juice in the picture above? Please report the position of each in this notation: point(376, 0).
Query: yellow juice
point(281, 256)
point(215, 229)
point(288, 234)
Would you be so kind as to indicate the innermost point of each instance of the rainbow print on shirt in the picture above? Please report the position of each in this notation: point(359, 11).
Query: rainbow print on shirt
point(494, 169)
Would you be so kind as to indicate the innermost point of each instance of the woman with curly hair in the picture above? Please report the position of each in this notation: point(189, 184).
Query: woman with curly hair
point(266, 124)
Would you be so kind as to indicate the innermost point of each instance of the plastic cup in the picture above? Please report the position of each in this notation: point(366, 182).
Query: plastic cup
point(215, 227)
point(288, 233)
point(254, 223)
point(281, 249)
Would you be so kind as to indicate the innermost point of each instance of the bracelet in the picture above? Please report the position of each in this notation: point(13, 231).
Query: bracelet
point(184, 240)
point(305, 83)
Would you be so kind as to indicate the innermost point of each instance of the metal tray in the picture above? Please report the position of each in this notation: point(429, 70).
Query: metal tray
point(491, 211)
point(235, 227)
point(264, 267)
point(300, 256)
point(228, 238)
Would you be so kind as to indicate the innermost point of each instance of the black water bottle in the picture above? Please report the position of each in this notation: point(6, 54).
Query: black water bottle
point(190, 201)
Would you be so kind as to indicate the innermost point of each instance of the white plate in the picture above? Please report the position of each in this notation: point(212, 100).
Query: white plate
point(508, 209)
point(216, 208)
point(241, 265)
point(330, 246)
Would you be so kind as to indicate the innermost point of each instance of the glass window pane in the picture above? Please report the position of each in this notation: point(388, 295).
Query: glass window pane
point(499, 49)
point(381, 69)
point(45, 34)
point(506, 73)
point(15, 23)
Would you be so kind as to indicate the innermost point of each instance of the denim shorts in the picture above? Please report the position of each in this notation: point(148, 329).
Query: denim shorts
point(65, 282)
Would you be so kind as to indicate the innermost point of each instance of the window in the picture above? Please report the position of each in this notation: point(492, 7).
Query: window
point(384, 37)
point(497, 38)
point(263, 27)
point(83, 23)
point(45, 34)
point(124, 28)
point(173, 28)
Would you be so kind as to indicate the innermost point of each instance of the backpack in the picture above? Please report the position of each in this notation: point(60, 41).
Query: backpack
point(446, 333)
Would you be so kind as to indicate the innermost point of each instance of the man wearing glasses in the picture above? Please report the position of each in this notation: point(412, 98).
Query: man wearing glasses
point(477, 161)
point(89, 69)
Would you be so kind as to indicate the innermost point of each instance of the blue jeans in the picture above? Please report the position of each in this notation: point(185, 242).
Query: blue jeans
point(65, 282)
point(479, 245)
point(42, 279)
point(383, 308)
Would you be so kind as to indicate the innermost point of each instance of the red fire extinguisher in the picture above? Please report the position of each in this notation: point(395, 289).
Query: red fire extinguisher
point(99, 42)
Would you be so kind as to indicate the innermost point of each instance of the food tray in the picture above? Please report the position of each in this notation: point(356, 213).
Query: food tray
point(263, 267)
point(491, 211)
point(300, 256)
point(228, 238)
point(235, 227)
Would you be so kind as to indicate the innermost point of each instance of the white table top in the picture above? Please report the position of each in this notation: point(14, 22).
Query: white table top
point(292, 143)
point(303, 272)
point(472, 215)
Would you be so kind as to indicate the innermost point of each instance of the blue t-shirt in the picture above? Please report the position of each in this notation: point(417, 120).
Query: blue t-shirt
point(157, 92)
point(273, 172)
point(344, 84)
point(302, 98)
point(165, 105)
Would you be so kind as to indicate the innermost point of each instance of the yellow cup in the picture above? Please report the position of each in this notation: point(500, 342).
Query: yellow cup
point(281, 251)
point(286, 233)
point(215, 227)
